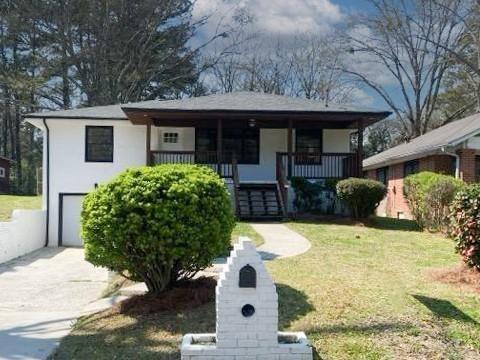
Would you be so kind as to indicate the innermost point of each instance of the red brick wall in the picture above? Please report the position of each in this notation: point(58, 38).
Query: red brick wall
point(467, 165)
point(4, 181)
point(396, 202)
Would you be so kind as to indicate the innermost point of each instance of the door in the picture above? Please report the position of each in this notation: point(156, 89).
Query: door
point(70, 207)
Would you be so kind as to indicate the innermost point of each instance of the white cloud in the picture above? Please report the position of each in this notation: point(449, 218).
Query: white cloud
point(275, 17)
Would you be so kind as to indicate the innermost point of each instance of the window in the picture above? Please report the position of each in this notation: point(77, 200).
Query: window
point(3, 173)
point(382, 175)
point(308, 141)
point(99, 144)
point(243, 143)
point(477, 168)
point(410, 167)
point(170, 138)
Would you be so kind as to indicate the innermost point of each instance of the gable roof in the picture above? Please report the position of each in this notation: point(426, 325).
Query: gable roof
point(449, 135)
point(6, 159)
point(236, 101)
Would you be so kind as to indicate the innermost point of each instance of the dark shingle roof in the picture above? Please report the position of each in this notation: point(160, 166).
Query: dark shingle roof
point(248, 101)
point(449, 135)
point(237, 101)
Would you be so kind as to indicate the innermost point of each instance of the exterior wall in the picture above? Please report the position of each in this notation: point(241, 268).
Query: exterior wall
point(4, 181)
point(24, 233)
point(69, 173)
point(467, 165)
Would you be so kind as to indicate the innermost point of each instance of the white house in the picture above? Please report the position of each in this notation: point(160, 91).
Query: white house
point(257, 142)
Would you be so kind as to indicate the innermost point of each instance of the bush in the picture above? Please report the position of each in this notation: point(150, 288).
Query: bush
point(362, 196)
point(429, 196)
point(159, 225)
point(465, 224)
point(307, 194)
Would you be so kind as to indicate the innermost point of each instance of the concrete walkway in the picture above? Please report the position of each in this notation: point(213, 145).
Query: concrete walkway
point(280, 241)
point(41, 295)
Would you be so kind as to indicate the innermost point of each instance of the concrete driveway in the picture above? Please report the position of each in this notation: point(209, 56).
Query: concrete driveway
point(41, 294)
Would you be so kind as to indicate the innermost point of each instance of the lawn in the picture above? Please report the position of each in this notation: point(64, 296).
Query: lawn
point(8, 203)
point(359, 293)
point(244, 229)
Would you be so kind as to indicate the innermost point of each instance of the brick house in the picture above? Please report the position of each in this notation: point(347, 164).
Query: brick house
point(4, 174)
point(452, 149)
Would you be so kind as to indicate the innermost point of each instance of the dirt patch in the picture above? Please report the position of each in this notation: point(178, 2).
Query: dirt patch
point(184, 296)
point(461, 275)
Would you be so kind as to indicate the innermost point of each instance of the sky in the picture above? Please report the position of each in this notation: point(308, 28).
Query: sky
point(286, 18)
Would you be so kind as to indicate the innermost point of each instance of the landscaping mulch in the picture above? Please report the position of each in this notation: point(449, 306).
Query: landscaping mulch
point(462, 276)
point(185, 296)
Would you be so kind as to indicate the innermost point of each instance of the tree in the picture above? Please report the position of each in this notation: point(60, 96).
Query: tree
point(406, 40)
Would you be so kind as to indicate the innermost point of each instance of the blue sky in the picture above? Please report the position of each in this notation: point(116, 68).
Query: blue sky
point(288, 17)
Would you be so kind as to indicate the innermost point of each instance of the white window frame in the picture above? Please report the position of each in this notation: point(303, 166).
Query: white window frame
point(170, 137)
point(3, 172)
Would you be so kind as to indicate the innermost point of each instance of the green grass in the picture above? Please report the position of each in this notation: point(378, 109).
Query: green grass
point(359, 293)
point(8, 203)
point(244, 229)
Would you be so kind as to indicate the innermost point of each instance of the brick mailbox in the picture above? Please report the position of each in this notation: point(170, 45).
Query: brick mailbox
point(247, 316)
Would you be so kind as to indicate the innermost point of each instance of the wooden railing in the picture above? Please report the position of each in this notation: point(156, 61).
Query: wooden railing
point(319, 165)
point(208, 158)
point(282, 184)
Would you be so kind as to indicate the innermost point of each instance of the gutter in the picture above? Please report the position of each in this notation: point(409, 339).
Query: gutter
point(457, 161)
point(47, 165)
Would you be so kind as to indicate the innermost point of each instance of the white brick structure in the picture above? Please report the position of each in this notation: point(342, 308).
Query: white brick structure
point(247, 316)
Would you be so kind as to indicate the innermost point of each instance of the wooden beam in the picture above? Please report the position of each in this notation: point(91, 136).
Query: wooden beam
point(289, 148)
point(148, 142)
point(360, 127)
point(219, 145)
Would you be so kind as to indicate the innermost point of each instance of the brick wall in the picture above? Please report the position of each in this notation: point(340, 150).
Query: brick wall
point(467, 165)
point(396, 203)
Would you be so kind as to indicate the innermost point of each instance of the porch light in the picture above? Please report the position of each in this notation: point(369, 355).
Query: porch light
point(252, 123)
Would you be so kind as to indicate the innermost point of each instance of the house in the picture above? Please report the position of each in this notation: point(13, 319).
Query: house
point(255, 141)
point(452, 149)
point(5, 164)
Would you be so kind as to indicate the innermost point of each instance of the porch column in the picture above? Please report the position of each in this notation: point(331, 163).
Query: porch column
point(360, 147)
point(148, 141)
point(219, 146)
point(289, 148)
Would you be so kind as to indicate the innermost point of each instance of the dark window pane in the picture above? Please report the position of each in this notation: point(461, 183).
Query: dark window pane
point(382, 175)
point(477, 168)
point(99, 144)
point(410, 167)
point(308, 141)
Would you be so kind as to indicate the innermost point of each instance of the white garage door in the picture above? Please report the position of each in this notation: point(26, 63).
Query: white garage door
point(72, 206)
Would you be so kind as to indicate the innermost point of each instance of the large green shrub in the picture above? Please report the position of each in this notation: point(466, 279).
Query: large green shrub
point(158, 224)
point(362, 196)
point(429, 196)
point(465, 224)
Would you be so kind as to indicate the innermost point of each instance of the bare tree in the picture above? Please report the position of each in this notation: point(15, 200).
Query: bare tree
point(408, 41)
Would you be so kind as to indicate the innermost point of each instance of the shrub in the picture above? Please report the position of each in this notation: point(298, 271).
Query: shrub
point(362, 196)
point(429, 196)
point(307, 194)
point(465, 224)
point(160, 225)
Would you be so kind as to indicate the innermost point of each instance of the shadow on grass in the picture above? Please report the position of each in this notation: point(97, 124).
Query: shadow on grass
point(108, 335)
point(377, 222)
point(444, 309)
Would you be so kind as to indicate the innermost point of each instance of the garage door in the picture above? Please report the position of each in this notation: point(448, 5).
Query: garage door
point(71, 206)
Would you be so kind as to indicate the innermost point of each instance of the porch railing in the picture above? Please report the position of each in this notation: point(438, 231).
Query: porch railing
point(319, 165)
point(208, 158)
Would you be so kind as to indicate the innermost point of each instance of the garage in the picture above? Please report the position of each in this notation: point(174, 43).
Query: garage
point(69, 220)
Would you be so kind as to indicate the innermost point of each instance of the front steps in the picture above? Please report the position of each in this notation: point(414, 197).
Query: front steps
point(259, 201)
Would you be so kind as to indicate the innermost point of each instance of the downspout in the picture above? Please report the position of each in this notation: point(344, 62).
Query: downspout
point(457, 161)
point(47, 172)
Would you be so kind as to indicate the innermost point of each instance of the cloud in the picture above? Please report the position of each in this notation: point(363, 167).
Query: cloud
point(271, 17)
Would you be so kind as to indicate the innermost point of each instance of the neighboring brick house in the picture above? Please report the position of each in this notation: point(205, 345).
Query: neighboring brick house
point(452, 149)
point(4, 175)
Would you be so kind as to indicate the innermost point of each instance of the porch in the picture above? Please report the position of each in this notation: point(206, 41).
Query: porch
point(257, 142)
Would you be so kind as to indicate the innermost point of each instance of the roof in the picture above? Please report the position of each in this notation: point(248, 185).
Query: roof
point(5, 158)
point(237, 101)
point(449, 135)
point(248, 101)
